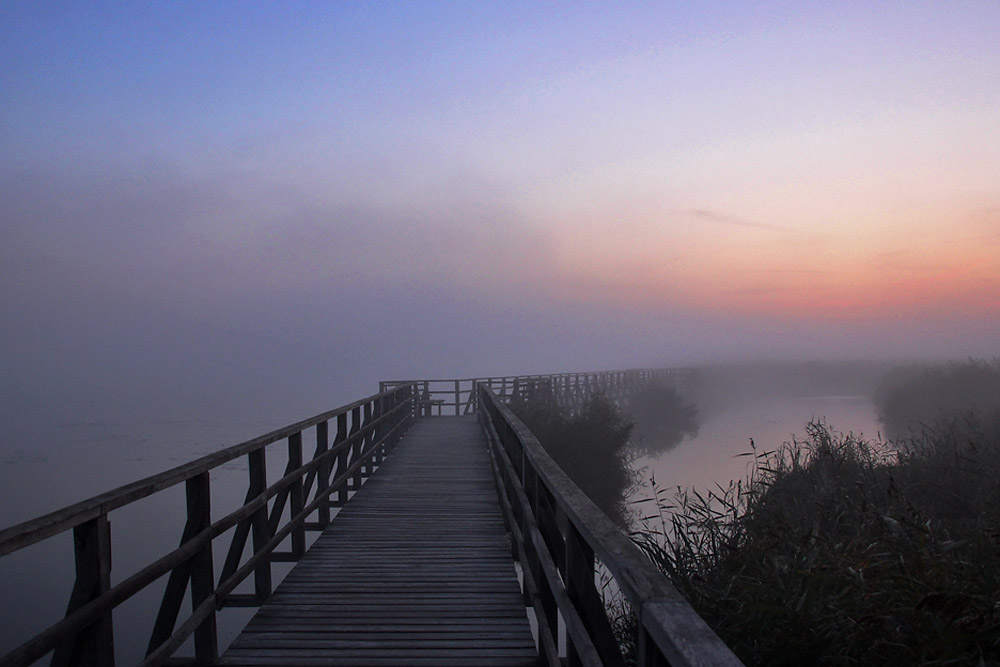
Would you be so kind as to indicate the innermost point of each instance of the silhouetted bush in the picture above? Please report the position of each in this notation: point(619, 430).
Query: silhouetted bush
point(591, 446)
point(662, 419)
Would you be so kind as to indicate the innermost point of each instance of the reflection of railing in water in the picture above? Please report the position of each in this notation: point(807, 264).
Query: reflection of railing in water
point(365, 431)
point(458, 396)
point(556, 533)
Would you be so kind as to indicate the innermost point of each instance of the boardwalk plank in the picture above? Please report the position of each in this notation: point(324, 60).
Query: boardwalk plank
point(414, 570)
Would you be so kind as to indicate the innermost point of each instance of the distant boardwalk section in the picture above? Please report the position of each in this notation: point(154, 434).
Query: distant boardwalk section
point(416, 570)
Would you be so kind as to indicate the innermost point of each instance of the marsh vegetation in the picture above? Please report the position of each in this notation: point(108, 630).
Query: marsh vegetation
point(840, 550)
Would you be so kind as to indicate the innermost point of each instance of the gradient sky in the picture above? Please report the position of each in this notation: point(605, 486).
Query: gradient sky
point(295, 198)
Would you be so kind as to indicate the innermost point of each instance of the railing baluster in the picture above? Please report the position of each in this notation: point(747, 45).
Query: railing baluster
point(378, 433)
point(323, 475)
point(295, 495)
point(365, 442)
point(92, 548)
point(260, 530)
point(199, 501)
point(355, 447)
point(342, 457)
point(578, 573)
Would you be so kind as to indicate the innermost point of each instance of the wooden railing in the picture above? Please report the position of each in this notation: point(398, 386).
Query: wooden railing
point(459, 397)
point(557, 533)
point(365, 431)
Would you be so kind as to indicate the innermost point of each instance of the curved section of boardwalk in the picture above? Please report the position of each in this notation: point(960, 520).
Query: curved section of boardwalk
point(415, 570)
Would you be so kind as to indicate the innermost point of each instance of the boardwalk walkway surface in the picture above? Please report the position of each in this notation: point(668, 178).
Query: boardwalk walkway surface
point(415, 570)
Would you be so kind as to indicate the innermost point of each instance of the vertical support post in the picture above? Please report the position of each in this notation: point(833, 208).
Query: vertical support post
point(341, 457)
point(392, 402)
point(199, 506)
point(458, 402)
point(259, 523)
point(378, 434)
point(323, 472)
point(355, 447)
point(648, 653)
point(295, 495)
point(365, 443)
point(550, 610)
point(95, 645)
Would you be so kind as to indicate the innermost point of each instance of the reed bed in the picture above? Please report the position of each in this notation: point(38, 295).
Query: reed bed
point(836, 550)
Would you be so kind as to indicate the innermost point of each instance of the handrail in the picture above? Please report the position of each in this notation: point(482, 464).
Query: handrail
point(365, 431)
point(557, 533)
point(458, 395)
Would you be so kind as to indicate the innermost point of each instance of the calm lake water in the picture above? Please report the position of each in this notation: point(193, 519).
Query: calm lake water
point(47, 467)
point(712, 457)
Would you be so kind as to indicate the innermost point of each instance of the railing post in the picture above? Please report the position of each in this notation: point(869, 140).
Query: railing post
point(295, 495)
point(342, 457)
point(355, 447)
point(578, 573)
point(199, 503)
point(458, 401)
point(323, 472)
point(550, 610)
point(378, 433)
point(95, 645)
point(647, 652)
point(259, 524)
point(400, 417)
point(366, 440)
point(394, 400)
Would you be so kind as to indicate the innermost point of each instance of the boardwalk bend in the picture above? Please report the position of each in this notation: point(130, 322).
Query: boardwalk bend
point(447, 536)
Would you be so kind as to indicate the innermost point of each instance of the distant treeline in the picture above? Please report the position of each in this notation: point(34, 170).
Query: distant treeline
point(915, 398)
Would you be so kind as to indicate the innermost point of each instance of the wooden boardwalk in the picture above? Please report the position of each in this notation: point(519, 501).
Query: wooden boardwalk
point(415, 570)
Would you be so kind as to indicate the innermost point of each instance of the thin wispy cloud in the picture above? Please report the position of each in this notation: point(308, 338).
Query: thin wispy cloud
point(726, 219)
point(801, 272)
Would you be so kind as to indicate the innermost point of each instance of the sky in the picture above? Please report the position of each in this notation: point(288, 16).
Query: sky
point(206, 204)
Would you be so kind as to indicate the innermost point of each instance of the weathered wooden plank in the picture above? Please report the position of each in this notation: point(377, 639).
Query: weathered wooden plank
point(415, 569)
point(388, 661)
